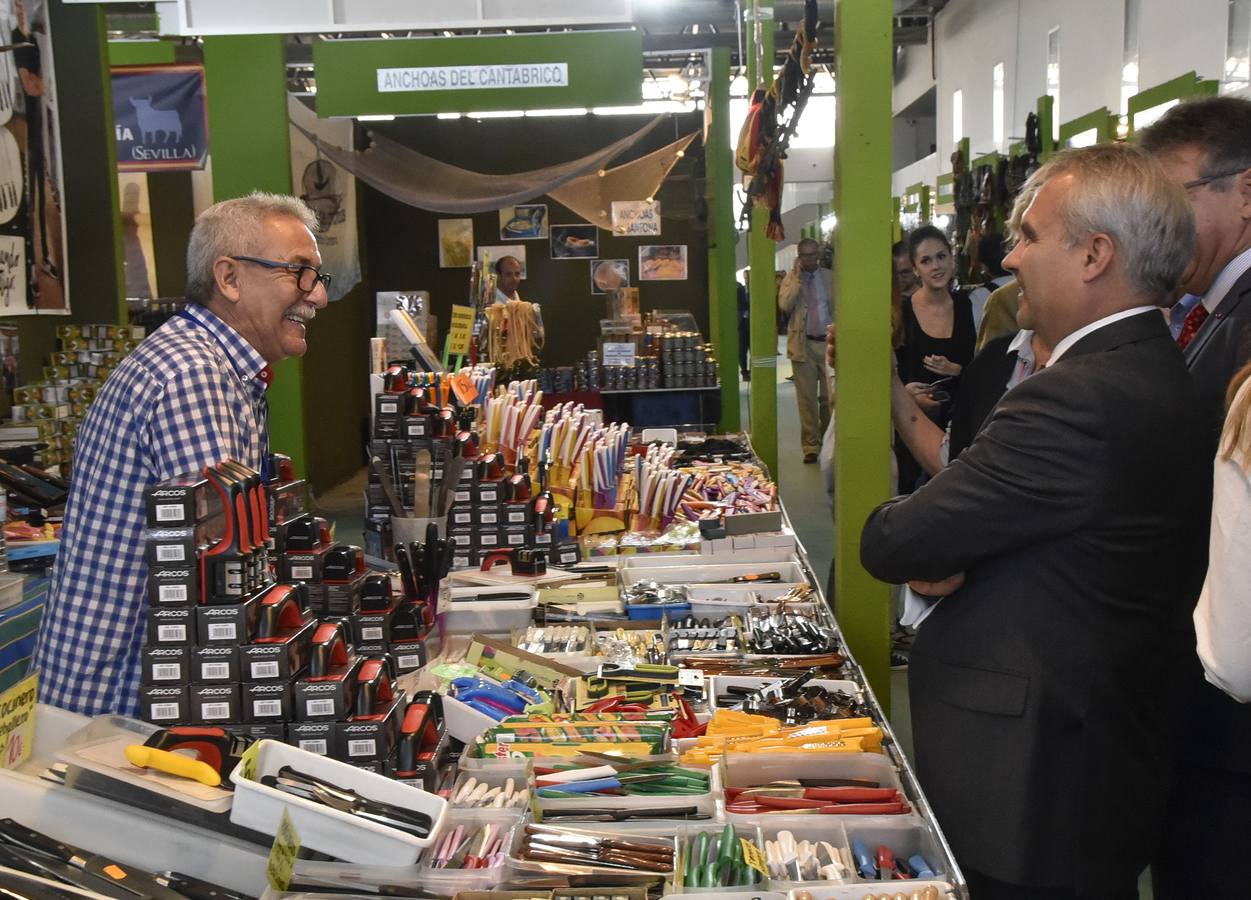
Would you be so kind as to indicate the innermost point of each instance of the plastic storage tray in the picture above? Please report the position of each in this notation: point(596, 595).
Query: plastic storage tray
point(463, 615)
point(321, 828)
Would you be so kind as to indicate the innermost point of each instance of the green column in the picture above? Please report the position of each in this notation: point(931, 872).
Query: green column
point(761, 253)
point(722, 292)
point(245, 80)
point(862, 195)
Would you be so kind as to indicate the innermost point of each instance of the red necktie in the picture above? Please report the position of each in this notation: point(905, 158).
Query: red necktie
point(1193, 320)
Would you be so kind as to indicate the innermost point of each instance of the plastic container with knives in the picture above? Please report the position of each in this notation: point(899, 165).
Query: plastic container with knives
point(488, 610)
point(321, 827)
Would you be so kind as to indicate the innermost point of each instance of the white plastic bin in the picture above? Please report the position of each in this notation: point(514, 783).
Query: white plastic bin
point(464, 614)
point(340, 834)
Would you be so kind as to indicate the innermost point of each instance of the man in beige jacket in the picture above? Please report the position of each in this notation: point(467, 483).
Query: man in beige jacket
point(807, 293)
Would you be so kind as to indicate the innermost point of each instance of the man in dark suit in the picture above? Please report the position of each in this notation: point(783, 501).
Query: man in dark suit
point(1036, 684)
point(1205, 145)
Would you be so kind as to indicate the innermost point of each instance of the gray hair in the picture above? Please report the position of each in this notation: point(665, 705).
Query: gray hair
point(235, 228)
point(1122, 191)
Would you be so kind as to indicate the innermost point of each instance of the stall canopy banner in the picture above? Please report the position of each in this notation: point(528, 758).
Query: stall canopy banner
point(417, 180)
point(159, 117)
point(329, 191)
point(591, 196)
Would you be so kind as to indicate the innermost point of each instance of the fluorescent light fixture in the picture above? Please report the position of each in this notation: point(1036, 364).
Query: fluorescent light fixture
point(538, 113)
point(650, 107)
point(449, 115)
point(375, 118)
point(498, 114)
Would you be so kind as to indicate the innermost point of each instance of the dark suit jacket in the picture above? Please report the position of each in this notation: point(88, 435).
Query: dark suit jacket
point(1220, 348)
point(1041, 738)
point(981, 385)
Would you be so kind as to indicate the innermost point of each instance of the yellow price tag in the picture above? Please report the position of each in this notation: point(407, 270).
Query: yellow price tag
point(247, 762)
point(17, 722)
point(282, 855)
point(459, 330)
point(754, 857)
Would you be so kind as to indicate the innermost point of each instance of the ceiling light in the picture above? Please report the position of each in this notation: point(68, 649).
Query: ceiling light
point(375, 118)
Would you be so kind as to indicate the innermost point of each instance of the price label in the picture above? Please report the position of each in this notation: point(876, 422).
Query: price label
point(460, 330)
point(618, 354)
point(17, 722)
point(753, 857)
point(282, 855)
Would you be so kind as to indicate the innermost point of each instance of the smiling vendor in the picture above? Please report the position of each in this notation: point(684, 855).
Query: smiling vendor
point(190, 396)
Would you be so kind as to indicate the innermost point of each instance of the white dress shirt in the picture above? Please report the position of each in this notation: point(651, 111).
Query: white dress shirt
point(1067, 342)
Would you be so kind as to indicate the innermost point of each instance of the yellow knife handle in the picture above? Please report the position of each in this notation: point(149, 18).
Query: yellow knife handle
point(173, 763)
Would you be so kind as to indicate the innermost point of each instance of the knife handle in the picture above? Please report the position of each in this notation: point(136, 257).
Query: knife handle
point(198, 889)
point(173, 763)
point(16, 833)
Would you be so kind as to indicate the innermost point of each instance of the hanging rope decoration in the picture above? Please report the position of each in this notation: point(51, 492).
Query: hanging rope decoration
point(762, 142)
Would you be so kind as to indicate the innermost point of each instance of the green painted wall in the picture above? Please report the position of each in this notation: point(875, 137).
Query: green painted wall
point(605, 69)
point(141, 53)
point(245, 81)
point(722, 287)
point(862, 200)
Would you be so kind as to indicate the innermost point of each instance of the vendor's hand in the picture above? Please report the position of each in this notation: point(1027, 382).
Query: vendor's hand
point(830, 334)
point(941, 365)
point(920, 392)
point(944, 588)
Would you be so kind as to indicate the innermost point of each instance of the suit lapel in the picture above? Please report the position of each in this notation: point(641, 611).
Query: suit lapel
point(1224, 311)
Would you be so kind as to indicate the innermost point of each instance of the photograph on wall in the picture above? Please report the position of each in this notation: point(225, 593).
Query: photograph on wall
point(635, 217)
point(525, 222)
point(10, 345)
point(491, 253)
point(609, 275)
point(662, 262)
point(455, 243)
point(138, 256)
point(32, 217)
point(575, 242)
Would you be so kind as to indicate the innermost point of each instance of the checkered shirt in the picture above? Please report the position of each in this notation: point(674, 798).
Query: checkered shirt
point(189, 396)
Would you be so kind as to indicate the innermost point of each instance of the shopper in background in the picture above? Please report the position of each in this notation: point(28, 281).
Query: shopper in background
point(191, 395)
point(1040, 685)
point(901, 260)
point(1205, 146)
point(743, 304)
point(806, 294)
point(507, 279)
point(990, 264)
point(938, 336)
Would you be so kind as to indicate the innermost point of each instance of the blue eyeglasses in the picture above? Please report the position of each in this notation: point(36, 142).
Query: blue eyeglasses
point(306, 277)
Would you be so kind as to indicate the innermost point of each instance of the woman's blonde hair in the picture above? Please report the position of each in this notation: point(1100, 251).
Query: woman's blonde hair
point(1236, 436)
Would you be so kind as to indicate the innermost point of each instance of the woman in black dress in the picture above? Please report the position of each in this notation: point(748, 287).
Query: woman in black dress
point(938, 337)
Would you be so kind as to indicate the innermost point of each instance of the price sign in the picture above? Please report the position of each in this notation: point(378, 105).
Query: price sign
point(17, 722)
point(631, 217)
point(460, 330)
point(618, 354)
point(282, 855)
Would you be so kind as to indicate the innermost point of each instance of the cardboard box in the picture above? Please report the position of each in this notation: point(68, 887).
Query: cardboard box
point(515, 536)
point(302, 565)
point(267, 701)
point(313, 737)
point(164, 704)
point(227, 623)
point(487, 493)
point(488, 538)
point(215, 704)
point(371, 738)
point(171, 625)
point(280, 658)
point(371, 628)
point(166, 665)
point(263, 731)
point(215, 663)
point(487, 515)
point(179, 502)
point(461, 516)
point(174, 585)
point(515, 512)
point(328, 697)
point(170, 546)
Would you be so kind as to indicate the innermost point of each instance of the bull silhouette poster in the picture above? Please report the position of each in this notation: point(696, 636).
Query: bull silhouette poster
point(32, 220)
point(159, 118)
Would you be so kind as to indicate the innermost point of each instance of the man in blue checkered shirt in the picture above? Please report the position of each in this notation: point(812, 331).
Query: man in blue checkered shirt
point(191, 395)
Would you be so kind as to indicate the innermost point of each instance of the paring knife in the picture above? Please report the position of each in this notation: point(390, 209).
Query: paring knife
point(136, 881)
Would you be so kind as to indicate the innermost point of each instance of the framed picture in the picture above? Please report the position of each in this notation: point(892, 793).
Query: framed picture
point(575, 242)
point(495, 251)
point(455, 243)
point(662, 262)
point(609, 275)
point(525, 222)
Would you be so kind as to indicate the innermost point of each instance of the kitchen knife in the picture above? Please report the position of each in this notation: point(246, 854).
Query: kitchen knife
point(136, 881)
point(198, 888)
point(28, 861)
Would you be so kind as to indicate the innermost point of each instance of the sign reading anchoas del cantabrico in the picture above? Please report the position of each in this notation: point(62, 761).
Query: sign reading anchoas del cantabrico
point(159, 117)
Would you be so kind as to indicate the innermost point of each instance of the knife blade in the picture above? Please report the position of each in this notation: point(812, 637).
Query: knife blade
point(198, 888)
point(134, 880)
point(29, 861)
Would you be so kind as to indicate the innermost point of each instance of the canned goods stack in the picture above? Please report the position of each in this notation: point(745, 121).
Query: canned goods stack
point(685, 361)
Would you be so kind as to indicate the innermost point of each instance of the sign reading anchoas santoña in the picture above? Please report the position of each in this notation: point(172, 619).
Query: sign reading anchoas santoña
point(460, 78)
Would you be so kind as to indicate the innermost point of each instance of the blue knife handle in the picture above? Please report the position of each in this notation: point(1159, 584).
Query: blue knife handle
point(585, 787)
point(864, 860)
point(923, 868)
